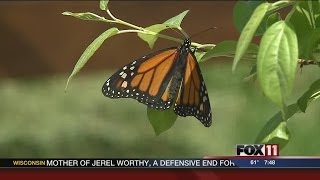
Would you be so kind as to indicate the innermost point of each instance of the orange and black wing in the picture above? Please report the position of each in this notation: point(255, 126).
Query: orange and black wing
point(147, 79)
point(193, 97)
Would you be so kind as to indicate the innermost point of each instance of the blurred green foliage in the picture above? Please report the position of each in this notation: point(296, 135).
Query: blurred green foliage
point(38, 119)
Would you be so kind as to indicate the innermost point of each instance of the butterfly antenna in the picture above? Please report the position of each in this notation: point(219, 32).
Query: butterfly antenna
point(203, 31)
point(184, 33)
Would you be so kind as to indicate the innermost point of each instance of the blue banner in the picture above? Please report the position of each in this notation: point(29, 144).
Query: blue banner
point(277, 162)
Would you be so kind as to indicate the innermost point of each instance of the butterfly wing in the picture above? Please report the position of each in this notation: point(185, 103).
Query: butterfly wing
point(193, 97)
point(147, 79)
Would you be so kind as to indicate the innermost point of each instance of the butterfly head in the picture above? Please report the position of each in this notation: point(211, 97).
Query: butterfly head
point(187, 42)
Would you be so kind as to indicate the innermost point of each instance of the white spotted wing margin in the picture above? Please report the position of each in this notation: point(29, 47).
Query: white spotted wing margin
point(118, 85)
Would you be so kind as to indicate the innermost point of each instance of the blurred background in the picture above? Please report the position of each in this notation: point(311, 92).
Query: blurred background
point(39, 48)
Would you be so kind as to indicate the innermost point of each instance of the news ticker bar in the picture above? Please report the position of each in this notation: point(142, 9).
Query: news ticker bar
point(226, 162)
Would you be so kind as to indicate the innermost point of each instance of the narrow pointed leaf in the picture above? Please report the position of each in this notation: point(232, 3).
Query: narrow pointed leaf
point(242, 12)
point(88, 16)
point(174, 22)
point(161, 120)
point(151, 39)
point(277, 62)
point(90, 50)
point(248, 32)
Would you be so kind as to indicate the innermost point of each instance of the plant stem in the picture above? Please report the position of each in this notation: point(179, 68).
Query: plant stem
point(119, 21)
point(304, 62)
point(291, 12)
point(150, 33)
point(146, 31)
point(204, 46)
point(129, 31)
point(279, 5)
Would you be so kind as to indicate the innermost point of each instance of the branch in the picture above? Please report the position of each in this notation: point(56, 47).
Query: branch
point(304, 62)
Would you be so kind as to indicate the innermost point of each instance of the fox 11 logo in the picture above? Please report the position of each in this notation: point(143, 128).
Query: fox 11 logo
point(257, 150)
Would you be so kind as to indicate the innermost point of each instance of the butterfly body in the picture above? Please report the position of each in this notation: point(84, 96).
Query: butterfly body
point(160, 80)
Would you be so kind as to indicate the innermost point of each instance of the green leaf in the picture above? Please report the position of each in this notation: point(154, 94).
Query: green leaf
point(277, 61)
point(104, 4)
point(242, 12)
point(310, 43)
point(228, 49)
point(301, 22)
point(90, 50)
point(174, 22)
point(273, 18)
point(88, 16)
point(151, 39)
point(248, 32)
point(199, 55)
point(161, 120)
point(280, 135)
point(306, 22)
point(316, 12)
point(312, 94)
point(275, 131)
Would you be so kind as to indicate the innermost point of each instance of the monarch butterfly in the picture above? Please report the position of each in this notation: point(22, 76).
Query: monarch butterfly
point(165, 78)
